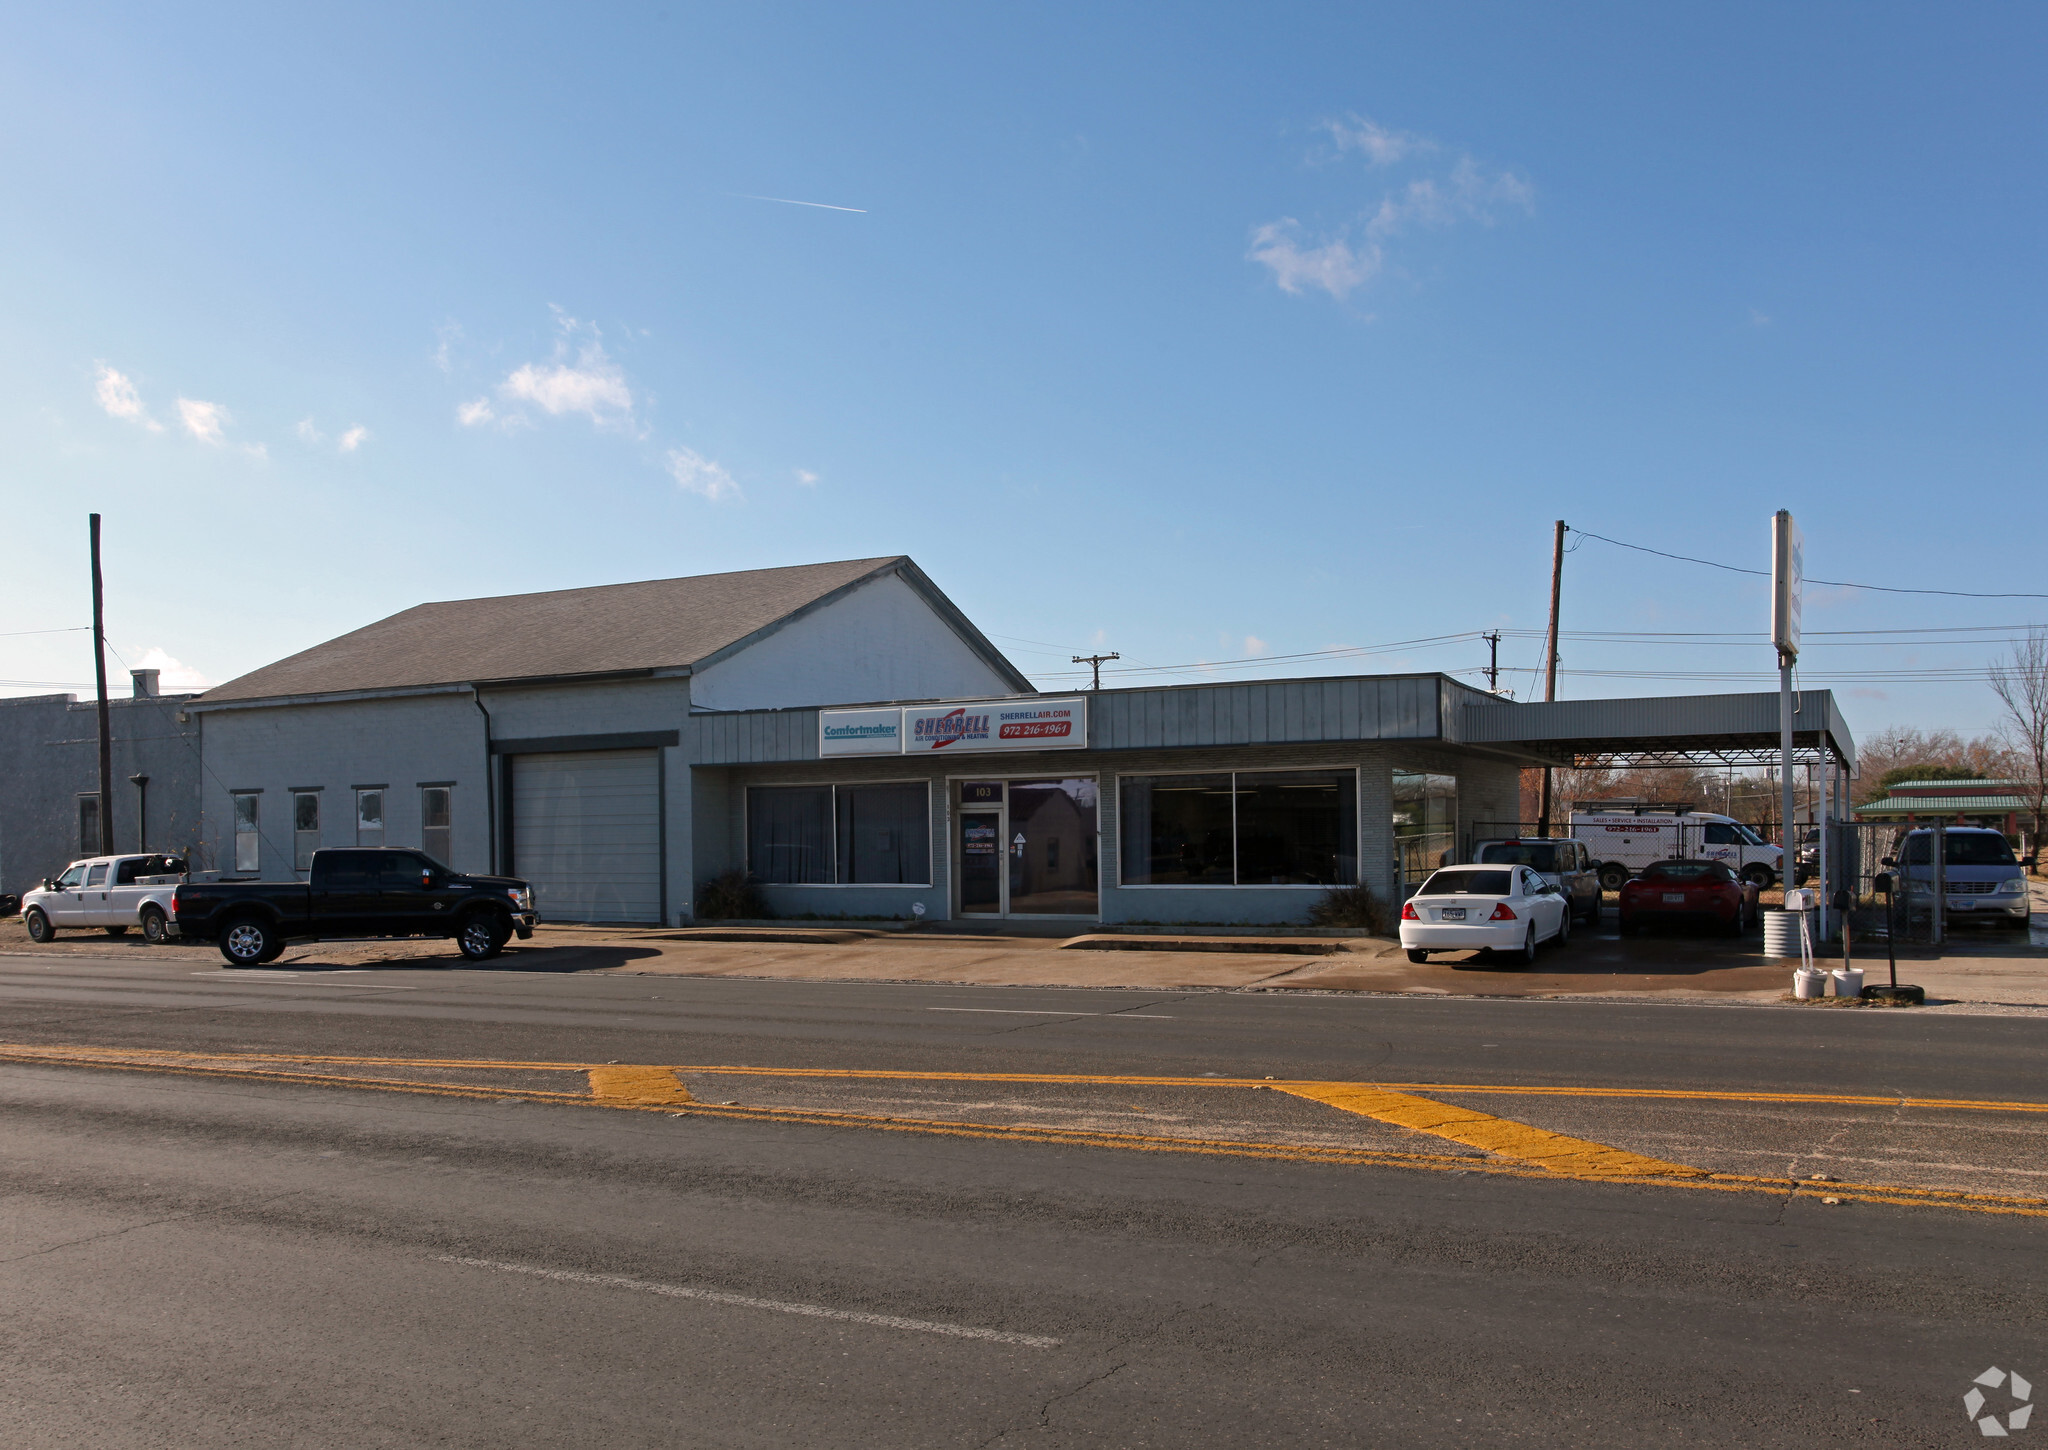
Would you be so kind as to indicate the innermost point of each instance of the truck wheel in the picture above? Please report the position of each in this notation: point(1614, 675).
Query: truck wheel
point(1759, 874)
point(156, 927)
point(1613, 878)
point(39, 928)
point(248, 942)
point(115, 930)
point(482, 936)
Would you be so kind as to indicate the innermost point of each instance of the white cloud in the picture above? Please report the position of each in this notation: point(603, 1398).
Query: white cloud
point(1341, 261)
point(1334, 266)
point(1759, 318)
point(695, 473)
point(1253, 645)
point(204, 421)
point(353, 439)
point(588, 382)
point(448, 334)
point(805, 477)
point(1375, 142)
point(116, 394)
point(308, 434)
point(474, 413)
point(175, 674)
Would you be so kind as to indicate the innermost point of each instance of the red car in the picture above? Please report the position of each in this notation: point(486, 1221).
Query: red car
point(1707, 892)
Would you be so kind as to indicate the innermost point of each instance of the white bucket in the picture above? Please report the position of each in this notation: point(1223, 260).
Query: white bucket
point(1808, 985)
point(1848, 981)
point(1781, 932)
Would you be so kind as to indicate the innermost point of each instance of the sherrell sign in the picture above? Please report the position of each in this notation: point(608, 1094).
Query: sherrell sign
point(972, 727)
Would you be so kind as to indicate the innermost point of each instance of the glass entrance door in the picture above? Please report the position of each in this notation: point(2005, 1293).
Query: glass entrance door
point(1028, 848)
point(981, 863)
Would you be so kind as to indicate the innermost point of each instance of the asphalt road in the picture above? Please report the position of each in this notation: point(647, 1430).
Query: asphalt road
point(204, 1261)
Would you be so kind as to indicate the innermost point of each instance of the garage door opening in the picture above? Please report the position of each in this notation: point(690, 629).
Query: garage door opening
point(586, 832)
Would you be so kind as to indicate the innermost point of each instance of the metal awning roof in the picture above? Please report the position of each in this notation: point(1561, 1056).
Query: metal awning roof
point(1664, 730)
point(1944, 805)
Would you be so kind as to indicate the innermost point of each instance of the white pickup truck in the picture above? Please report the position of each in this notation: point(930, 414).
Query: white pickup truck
point(112, 893)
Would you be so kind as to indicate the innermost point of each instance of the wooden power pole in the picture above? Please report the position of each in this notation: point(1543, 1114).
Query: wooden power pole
point(1550, 650)
point(99, 660)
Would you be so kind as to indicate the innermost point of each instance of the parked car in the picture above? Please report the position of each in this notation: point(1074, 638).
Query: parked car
point(1494, 909)
point(1806, 865)
point(381, 891)
point(112, 893)
point(1696, 893)
point(1627, 836)
point(1562, 862)
point(1983, 880)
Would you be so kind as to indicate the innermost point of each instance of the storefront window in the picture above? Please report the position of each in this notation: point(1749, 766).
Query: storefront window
point(1425, 823)
point(789, 834)
point(806, 835)
point(1298, 828)
point(884, 834)
point(1176, 830)
point(1251, 828)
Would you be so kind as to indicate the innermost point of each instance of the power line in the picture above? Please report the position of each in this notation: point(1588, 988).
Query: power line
point(1830, 583)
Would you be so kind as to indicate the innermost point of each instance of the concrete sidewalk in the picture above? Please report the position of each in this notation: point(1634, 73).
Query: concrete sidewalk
point(1994, 972)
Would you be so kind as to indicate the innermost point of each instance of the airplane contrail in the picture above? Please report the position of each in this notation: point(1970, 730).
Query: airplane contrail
point(791, 201)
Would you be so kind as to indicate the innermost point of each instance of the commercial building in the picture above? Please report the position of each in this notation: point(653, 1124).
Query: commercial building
point(845, 736)
point(50, 810)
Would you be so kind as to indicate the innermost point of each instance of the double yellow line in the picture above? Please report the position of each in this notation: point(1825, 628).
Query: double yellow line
point(1518, 1149)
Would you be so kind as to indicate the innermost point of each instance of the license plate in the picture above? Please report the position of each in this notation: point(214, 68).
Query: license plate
point(1452, 913)
point(1674, 898)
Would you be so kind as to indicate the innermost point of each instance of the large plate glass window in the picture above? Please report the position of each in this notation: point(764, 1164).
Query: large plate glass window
point(370, 816)
point(305, 828)
point(1051, 848)
point(1248, 828)
point(884, 834)
point(816, 835)
point(436, 822)
point(248, 831)
point(1425, 823)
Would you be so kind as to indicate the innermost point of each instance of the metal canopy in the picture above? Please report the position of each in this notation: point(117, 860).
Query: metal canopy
point(1738, 730)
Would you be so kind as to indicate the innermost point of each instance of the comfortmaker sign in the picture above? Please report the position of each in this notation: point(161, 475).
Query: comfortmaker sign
point(966, 729)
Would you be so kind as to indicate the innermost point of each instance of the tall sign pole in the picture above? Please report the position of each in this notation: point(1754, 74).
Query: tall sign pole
point(1550, 651)
point(99, 660)
point(1788, 574)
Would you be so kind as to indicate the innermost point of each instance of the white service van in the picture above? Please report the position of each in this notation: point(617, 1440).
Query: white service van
point(1626, 836)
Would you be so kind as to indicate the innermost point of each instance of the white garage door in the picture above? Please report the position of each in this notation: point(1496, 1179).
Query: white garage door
point(586, 831)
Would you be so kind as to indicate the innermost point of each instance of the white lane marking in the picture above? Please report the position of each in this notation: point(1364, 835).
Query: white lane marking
point(273, 976)
point(1035, 1012)
point(744, 1301)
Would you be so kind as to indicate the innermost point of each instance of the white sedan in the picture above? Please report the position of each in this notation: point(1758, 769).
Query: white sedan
point(1507, 909)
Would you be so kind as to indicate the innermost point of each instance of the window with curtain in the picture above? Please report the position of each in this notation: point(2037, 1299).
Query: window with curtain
point(789, 834)
point(805, 835)
point(1249, 828)
point(370, 817)
point(884, 834)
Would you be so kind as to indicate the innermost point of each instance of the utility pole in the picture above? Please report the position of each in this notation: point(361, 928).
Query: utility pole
point(1096, 662)
point(99, 660)
point(1492, 660)
point(1550, 651)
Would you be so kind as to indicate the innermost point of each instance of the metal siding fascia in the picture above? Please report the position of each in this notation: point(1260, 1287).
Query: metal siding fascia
point(1187, 719)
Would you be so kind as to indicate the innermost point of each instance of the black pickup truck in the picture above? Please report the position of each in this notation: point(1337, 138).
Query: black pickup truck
point(356, 892)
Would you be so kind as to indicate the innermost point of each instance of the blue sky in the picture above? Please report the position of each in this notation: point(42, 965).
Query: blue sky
point(1206, 334)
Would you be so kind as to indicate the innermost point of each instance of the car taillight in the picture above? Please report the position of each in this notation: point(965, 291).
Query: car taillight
point(1502, 912)
point(177, 899)
point(1408, 911)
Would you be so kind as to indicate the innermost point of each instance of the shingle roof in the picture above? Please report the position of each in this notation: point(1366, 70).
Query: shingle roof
point(609, 629)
